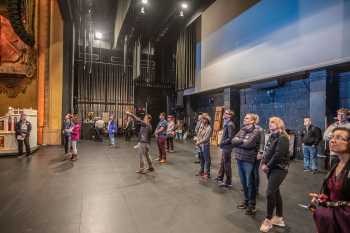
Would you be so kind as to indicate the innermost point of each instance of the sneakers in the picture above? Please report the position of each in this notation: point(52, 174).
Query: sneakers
point(266, 226)
point(151, 169)
point(250, 211)
point(206, 176)
point(278, 221)
point(218, 180)
point(137, 146)
point(242, 206)
point(199, 173)
point(141, 171)
point(224, 185)
point(162, 161)
point(157, 159)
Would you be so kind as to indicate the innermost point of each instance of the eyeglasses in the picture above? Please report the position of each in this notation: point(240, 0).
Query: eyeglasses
point(339, 138)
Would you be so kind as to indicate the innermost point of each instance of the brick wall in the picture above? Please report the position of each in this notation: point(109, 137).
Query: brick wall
point(290, 102)
point(344, 89)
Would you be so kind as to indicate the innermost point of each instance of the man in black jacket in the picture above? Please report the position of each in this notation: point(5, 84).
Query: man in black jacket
point(23, 128)
point(311, 137)
point(226, 148)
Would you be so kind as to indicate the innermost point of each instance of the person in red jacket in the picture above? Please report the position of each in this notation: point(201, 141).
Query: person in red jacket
point(75, 138)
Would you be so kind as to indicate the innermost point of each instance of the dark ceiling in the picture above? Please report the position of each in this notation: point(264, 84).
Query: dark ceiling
point(103, 14)
point(160, 21)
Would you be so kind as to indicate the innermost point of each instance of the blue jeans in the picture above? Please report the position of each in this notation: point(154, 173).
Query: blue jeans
point(246, 174)
point(204, 157)
point(179, 136)
point(112, 138)
point(310, 157)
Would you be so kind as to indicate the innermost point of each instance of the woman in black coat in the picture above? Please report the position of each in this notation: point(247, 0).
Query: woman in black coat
point(275, 164)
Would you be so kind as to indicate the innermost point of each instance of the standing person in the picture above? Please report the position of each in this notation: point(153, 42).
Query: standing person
point(342, 121)
point(112, 130)
point(333, 211)
point(226, 149)
point(203, 143)
point(245, 149)
point(67, 131)
point(196, 129)
point(99, 126)
point(128, 128)
point(179, 130)
point(311, 137)
point(259, 155)
point(144, 139)
point(170, 133)
point(275, 164)
point(23, 129)
point(160, 134)
point(75, 138)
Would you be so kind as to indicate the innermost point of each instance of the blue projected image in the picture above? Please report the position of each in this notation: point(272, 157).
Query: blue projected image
point(274, 38)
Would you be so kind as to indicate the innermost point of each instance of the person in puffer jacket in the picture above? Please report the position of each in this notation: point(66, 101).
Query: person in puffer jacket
point(226, 149)
point(245, 149)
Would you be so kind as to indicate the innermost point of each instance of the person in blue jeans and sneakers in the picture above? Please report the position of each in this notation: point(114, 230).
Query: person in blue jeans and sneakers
point(311, 137)
point(245, 149)
point(112, 130)
point(203, 144)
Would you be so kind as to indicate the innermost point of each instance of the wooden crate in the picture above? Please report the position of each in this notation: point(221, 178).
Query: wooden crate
point(217, 125)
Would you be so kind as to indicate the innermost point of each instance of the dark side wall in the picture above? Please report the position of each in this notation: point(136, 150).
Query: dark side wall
point(207, 102)
point(156, 99)
point(317, 94)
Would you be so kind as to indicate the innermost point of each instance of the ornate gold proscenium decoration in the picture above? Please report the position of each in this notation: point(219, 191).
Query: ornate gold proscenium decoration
point(17, 61)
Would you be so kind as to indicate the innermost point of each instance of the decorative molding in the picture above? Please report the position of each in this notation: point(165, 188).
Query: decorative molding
point(17, 61)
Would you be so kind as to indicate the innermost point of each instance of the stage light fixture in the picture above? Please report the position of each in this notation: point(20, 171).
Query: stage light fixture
point(184, 5)
point(142, 10)
point(98, 35)
point(144, 1)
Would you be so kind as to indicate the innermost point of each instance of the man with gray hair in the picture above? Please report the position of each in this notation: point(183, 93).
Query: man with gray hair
point(23, 129)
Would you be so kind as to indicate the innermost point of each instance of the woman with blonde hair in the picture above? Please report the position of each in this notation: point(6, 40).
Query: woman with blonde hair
point(275, 164)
